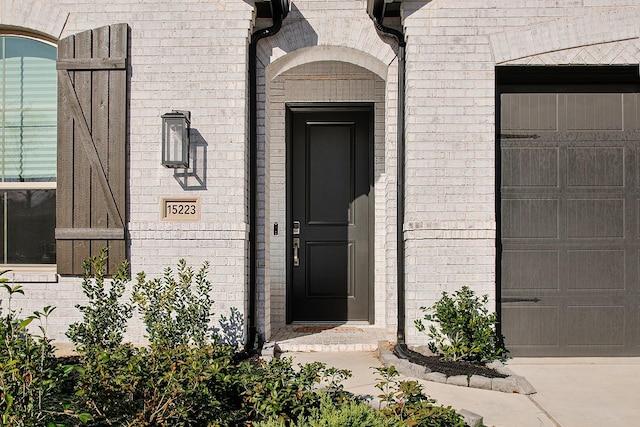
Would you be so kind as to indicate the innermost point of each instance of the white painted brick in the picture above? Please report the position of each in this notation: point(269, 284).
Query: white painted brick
point(192, 55)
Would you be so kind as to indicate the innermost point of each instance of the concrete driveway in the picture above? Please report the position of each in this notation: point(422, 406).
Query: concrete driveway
point(584, 391)
point(571, 392)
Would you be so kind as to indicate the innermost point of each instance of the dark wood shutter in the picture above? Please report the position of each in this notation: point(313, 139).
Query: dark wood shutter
point(92, 147)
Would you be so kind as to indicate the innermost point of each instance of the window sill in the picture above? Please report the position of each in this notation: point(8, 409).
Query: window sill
point(32, 273)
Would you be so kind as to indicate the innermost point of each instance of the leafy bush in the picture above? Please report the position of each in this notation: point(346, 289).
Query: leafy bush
point(30, 377)
point(26, 364)
point(174, 312)
point(107, 382)
point(277, 393)
point(405, 403)
point(277, 390)
point(466, 330)
point(350, 414)
point(180, 379)
point(104, 320)
point(190, 375)
point(156, 386)
point(187, 386)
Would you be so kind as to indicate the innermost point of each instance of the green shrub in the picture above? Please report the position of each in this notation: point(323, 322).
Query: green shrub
point(26, 368)
point(349, 414)
point(406, 404)
point(175, 312)
point(31, 380)
point(108, 382)
point(193, 375)
point(187, 386)
point(180, 379)
point(104, 319)
point(177, 386)
point(466, 330)
point(277, 390)
point(159, 386)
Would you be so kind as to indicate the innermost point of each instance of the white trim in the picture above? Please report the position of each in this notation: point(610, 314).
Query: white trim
point(31, 185)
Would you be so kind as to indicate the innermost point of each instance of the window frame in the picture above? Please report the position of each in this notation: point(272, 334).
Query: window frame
point(23, 269)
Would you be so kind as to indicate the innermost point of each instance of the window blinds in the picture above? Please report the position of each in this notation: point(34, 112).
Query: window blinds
point(28, 104)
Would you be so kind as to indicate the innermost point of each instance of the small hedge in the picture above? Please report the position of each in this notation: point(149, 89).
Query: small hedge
point(189, 375)
point(462, 328)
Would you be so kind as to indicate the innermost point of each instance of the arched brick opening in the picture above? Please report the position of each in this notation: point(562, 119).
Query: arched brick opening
point(29, 17)
point(324, 74)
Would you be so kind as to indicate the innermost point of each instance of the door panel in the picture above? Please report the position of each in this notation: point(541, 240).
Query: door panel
point(329, 173)
point(329, 188)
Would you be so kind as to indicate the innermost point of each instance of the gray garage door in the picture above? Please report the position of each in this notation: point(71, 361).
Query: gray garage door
point(569, 222)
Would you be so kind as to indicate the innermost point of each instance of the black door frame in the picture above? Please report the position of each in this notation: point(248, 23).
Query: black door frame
point(328, 107)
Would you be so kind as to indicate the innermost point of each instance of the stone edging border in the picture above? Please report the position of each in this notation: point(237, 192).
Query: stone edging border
point(511, 384)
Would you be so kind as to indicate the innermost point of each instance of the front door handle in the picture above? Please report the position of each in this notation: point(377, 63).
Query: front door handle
point(296, 249)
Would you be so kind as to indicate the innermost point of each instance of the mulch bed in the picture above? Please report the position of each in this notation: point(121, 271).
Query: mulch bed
point(68, 360)
point(451, 368)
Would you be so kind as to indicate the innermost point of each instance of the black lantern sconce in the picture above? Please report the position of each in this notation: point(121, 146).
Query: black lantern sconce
point(175, 139)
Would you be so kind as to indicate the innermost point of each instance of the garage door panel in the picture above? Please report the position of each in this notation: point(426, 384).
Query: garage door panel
point(530, 269)
point(595, 218)
point(530, 218)
point(531, 326)
point(596, 326)
point(594, 111)
point(595, 270)
point(595, 166)
point(529, 111)
point(530, 167)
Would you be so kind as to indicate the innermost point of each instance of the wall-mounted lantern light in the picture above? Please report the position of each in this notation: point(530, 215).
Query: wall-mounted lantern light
point(175, 139)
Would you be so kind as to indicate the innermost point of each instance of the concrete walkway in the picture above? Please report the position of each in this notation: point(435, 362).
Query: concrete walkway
point(571, 392)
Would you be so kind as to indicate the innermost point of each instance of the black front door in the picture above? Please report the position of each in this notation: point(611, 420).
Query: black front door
point(329, 209)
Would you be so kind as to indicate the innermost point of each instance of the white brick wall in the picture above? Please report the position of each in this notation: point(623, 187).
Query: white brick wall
point(189, 55)
point(193, 54)
point(453, 47)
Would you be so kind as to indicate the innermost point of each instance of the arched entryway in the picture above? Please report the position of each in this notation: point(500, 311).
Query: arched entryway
point(338, 85)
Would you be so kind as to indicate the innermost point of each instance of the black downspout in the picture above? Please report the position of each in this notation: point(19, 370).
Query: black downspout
point(279, 9)
point(377, 16)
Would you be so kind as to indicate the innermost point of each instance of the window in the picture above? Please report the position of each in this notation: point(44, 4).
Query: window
point(28, 117)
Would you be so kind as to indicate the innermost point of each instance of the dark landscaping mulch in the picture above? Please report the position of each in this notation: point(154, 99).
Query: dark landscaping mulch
point(451, 368)
point(68, 360)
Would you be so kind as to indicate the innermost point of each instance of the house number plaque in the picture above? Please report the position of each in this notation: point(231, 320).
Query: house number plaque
point(179, 209)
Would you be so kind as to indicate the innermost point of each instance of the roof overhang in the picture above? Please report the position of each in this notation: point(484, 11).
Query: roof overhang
point(375, 8)
point(266, 8)
point(380, 9)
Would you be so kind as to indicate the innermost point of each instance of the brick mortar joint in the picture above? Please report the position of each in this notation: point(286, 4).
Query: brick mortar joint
point(143, 226)
point(414, 226)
